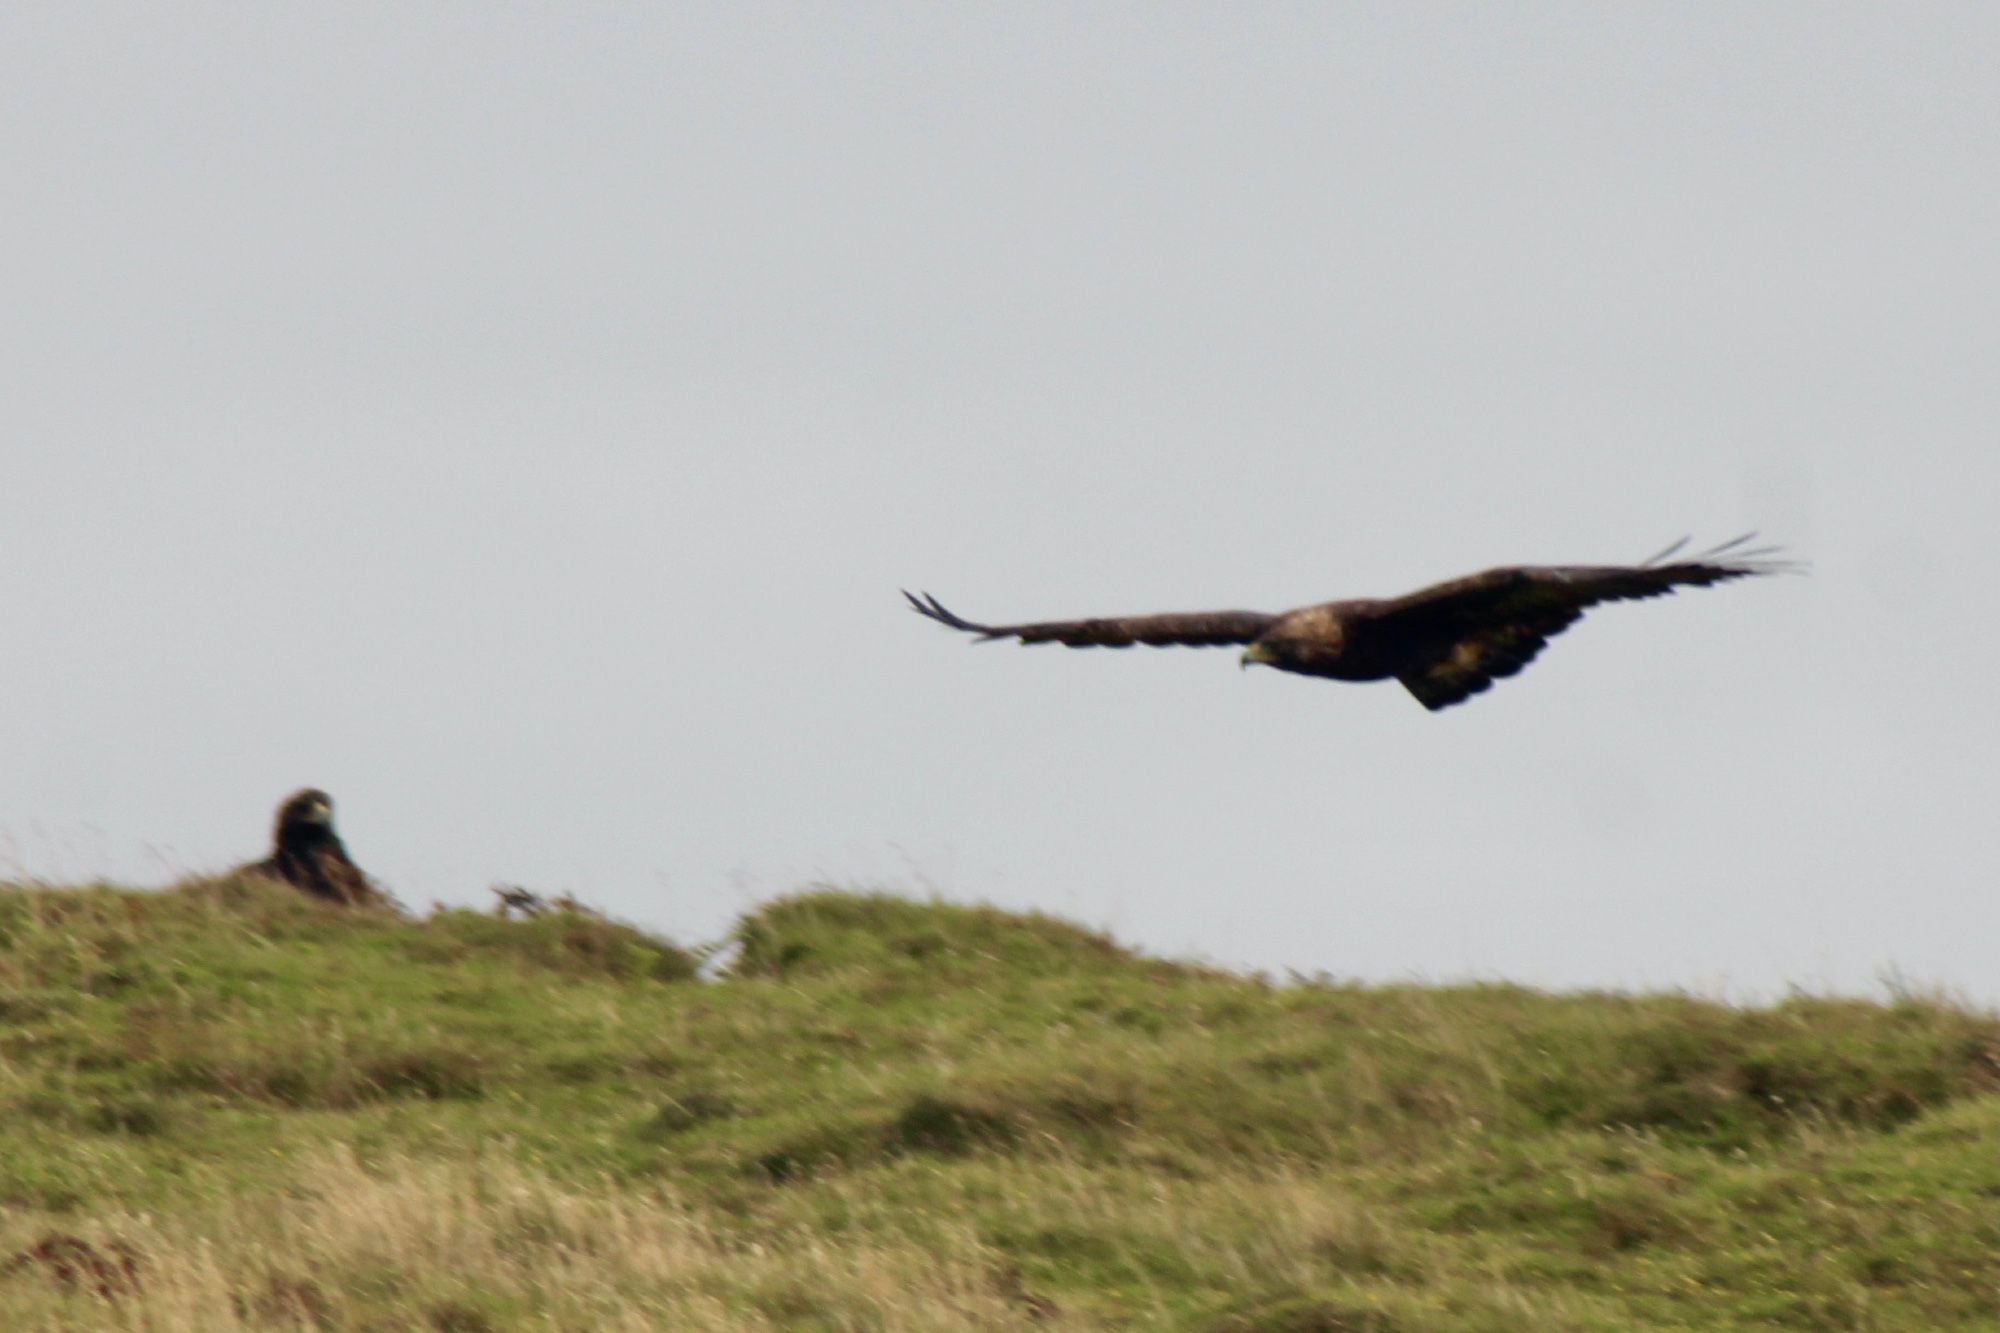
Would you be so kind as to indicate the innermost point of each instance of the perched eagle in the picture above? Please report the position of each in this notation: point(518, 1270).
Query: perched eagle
point(1445, 643)
point(306, 854)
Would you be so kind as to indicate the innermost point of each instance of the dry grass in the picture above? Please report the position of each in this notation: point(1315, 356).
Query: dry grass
point(488, 1245)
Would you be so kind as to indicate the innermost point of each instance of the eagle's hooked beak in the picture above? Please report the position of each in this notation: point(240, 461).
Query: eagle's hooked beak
point(1256, 652)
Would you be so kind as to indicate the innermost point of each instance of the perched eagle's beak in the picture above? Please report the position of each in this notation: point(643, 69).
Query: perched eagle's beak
point(319, 812)
point(1256, 652)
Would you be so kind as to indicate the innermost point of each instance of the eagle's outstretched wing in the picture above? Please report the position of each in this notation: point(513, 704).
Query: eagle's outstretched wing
point(1463, 635)
point(1189, 629)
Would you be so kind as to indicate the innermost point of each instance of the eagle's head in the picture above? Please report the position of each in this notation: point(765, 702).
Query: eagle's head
point(1260, 652)
point(305, 814)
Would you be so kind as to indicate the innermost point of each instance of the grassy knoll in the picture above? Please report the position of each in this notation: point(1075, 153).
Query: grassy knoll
point(226, 1106)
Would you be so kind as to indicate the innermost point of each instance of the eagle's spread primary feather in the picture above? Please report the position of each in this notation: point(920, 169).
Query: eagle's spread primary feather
point(1444, 643)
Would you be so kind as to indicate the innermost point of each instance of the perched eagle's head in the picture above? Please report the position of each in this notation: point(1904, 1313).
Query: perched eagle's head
point(304, 811)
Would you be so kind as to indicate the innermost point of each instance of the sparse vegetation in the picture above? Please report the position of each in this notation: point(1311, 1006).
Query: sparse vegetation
point(227, 1106)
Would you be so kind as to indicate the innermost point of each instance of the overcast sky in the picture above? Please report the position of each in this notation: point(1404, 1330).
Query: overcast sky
point(518, 420)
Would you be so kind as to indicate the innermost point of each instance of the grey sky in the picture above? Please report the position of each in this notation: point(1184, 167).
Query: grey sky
point(518, 419)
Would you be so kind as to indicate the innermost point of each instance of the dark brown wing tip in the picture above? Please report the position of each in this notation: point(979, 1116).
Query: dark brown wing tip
point(926, 605)
point(1654, 559)
point(1736, 558)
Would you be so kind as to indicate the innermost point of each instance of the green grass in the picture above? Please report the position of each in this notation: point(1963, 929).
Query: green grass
point(899, 1115)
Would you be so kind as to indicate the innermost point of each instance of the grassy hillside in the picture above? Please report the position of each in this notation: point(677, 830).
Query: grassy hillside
point(229, 1107)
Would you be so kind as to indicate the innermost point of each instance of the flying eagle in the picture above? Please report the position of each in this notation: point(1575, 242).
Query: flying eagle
point(1445, 643)
point(307, 854)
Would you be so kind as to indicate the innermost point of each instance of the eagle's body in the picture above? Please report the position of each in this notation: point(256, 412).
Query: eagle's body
point(307, 854)
point(1444, 643)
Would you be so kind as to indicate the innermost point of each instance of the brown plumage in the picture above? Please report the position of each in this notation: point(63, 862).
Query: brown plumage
point(1444, 643)
point(307, 854)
